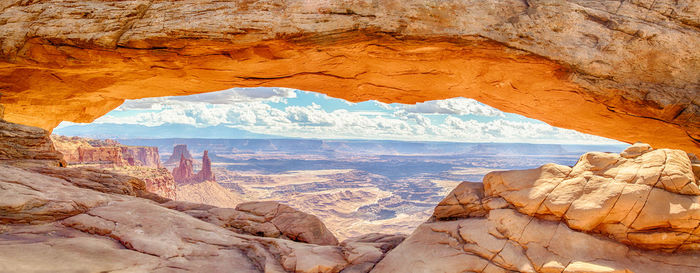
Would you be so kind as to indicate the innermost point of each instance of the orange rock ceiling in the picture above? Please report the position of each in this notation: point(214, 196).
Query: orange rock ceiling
point(47, 76)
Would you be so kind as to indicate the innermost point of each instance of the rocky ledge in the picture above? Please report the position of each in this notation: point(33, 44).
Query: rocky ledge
point(638, 211)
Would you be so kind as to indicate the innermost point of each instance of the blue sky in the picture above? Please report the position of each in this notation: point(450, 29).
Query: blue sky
point(294, 113)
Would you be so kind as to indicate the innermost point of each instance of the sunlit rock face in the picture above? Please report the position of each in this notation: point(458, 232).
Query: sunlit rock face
point(637, 211)
point(84, 219)
point(137, 161)
point(625, 70)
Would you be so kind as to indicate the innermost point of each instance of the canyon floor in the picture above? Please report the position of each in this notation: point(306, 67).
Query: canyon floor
point(357, 187)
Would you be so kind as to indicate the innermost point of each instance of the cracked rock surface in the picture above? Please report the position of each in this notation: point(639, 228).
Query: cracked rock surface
point(50, 224)
point(638, 211)
point(265, 218)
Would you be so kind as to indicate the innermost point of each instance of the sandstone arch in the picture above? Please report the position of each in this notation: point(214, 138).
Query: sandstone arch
point(624, 70)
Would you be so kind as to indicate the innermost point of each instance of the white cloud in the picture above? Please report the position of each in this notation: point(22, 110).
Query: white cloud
point(251, 110)
point(455, 106)
point(225, 97)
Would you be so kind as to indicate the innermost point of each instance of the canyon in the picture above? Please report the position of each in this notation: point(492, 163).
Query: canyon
point(138, 161)
point(621, 69)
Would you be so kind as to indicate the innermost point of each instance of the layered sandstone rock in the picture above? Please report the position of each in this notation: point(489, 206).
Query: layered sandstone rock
point(63, 220)
point(268, 219)
point(137, 161)
point(158, 180)
point(625, 70)
point(205, 174)
point(210, 193)
point(77, 150)
point(26, 143)
point(637, 211)
point(179, 151)
point(183, 173)
point(141, 156)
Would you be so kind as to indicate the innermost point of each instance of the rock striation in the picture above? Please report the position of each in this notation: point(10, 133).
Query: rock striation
point(137, 161)
point(637, 211)
point(625, 69)
point(77, 150)
point(26, 143)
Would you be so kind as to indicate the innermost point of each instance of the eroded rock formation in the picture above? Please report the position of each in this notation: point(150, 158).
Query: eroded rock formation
point(77, 150)
point(179, 151)
point(268, 219)
point(85, 219)
point(625, 70)
point(183, 173)
point(137, 161)
point(637, 211)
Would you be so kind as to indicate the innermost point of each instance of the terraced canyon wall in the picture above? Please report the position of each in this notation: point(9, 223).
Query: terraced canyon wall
point(620, 69)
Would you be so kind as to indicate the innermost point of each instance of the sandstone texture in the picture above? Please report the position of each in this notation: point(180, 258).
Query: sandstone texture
point(637, 211)
point(48, 224)
point(210, 193)
point(624, 69)
point(267, 219)
point(84, 219)
point(158, 180)
point(26, 143)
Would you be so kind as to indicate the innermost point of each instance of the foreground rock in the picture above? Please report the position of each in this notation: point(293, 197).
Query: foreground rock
point(26, 143)
point(268, 219)
point(633, 212)
point(624, 69)
point(62, 224)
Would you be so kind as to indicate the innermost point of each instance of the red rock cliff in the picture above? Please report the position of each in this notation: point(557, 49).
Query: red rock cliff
point(77, 150)
point(183, 173)
point(141, 156)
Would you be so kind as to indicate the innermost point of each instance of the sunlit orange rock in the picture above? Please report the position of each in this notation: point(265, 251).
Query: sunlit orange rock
point(624, 70)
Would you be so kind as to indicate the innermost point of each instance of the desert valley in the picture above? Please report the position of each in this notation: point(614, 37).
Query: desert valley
point(280, 136)
point(356, 186)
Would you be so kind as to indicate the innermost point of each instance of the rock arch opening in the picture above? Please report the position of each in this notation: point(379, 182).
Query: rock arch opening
point(366, 167)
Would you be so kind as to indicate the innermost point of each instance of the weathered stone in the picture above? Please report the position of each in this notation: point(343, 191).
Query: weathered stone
point(294, 224)
point(625, 70)
point(506, 240)
point(20, 142)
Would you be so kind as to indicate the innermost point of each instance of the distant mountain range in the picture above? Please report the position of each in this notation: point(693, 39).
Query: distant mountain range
point(364, 147)
point(127, 131)
point(225, 140)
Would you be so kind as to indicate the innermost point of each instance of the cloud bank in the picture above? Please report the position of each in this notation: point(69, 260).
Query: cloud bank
point(294, 113)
